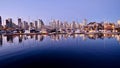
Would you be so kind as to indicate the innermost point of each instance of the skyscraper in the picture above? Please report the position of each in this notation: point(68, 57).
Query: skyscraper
point(9, 23)
point(85, 22)
point(31, 25)
point(26, 26)
point(0, 21)
point(41, 24)
point(73, 25)
point(36, 24)
point(57, 24)
point(20, 25)
point(53, 24)
point(118, 22)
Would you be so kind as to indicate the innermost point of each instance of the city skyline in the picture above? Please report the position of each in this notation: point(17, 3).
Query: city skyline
point(59, 33)
point(74, 10)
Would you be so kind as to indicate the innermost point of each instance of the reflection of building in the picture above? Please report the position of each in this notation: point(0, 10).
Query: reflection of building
point(1, 40)
point(84, 37)
point(31, 36)
point(10, 39)
point(58, 37)
point(36, 37)
point(41, 38)
point(55, 37)
point(25, 37)
point(20, 38)
point(118, 38)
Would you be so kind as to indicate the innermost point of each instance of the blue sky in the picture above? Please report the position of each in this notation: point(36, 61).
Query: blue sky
point(64, 10)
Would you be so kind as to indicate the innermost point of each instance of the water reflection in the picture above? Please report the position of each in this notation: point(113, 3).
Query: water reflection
point(41, 38)
point(10, 39)
point(20, 38)
point(1, 40)
point(57, 37)
point(75, 48)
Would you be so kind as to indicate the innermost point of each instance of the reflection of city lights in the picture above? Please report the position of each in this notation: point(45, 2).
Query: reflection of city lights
point(84, 38)
point(81, 35)
point(112, 35)
point(20, 35)
point(58, 37)
point(76, 35)
point(91, 35)
point(69, 36)
point(45, 35)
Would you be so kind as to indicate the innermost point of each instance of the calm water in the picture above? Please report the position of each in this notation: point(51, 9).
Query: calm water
point(60, 51)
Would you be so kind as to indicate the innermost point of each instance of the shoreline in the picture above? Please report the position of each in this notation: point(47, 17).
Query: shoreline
point(61, 33)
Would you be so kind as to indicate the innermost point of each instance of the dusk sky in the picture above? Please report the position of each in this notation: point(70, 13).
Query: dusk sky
point(64, 10)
